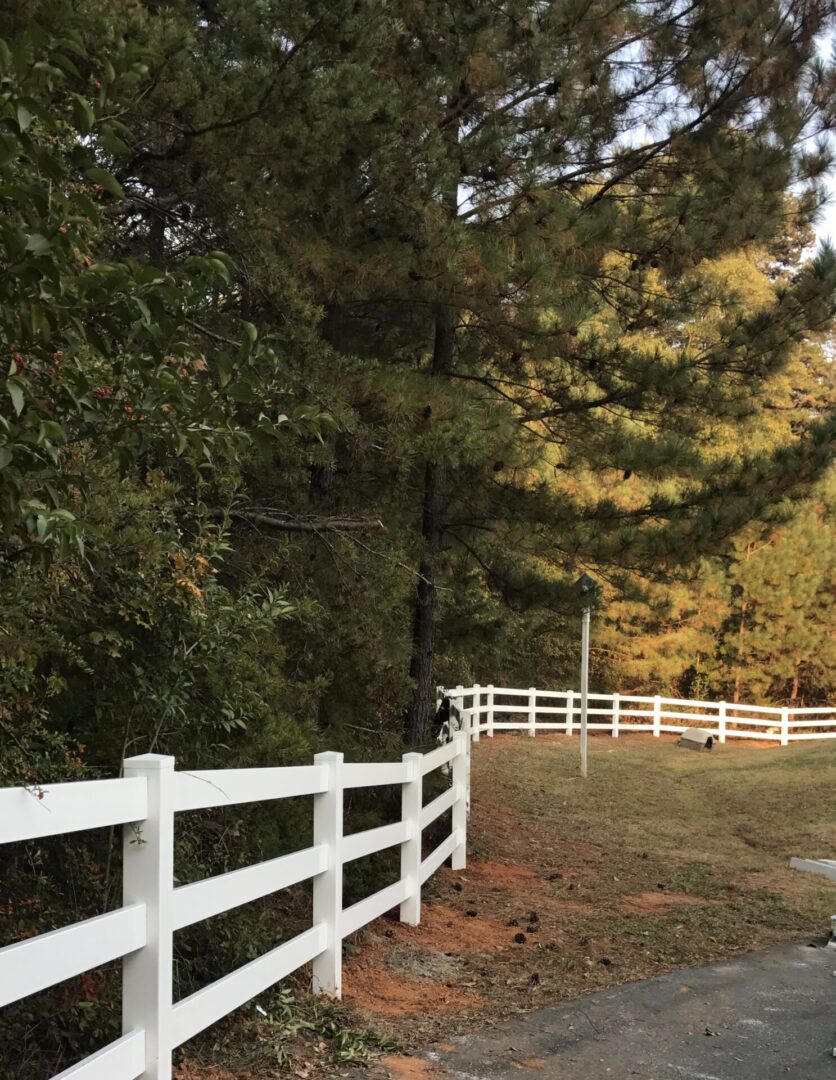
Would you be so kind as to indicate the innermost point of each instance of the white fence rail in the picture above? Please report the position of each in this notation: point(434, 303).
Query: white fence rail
point(145, 800)
point(140, 933)
point(488, 709)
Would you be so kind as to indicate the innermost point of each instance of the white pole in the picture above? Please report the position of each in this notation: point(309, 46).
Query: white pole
point(785, 726)
point(461, 807)
point(328, 886)
point(148, 878)
point(584, 687)
point(411, 803)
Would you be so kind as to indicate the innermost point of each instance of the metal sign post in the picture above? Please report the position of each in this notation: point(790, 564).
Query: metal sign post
point(584, 687)
point(589, 590)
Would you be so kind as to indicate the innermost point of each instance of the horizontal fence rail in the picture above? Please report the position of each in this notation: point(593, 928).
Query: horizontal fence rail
point(140, 933)
point(489, 709)
point(151, 792)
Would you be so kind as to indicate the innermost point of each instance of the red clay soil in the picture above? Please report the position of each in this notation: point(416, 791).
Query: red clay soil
point(443, 929)
point(408, 1068)
point(377, 989)
point(368, 985)
point(657, 901)
point(503, 875)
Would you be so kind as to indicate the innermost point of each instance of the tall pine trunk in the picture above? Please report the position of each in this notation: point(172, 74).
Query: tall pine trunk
point(418, 714)
point(796, 681)
point(418, 717)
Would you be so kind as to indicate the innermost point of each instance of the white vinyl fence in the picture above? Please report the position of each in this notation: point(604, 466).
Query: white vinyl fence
point(141, 932)
point(494, 708)
point(152, 791)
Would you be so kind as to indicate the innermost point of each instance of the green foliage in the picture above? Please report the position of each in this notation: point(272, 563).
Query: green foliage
point(751, 619)
point(98, 351)
point(511, 292)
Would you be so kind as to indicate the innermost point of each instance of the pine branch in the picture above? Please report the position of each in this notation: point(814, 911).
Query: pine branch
point(312, 525)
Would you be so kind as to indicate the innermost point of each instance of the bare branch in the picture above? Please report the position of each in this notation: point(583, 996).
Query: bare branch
point(312, 525)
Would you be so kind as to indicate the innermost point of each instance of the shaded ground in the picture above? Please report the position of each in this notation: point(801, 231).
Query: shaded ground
point(661, 860)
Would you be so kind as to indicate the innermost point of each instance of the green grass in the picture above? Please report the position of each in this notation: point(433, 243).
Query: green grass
point(720, 826)
point(662, 859)
point(734, 807)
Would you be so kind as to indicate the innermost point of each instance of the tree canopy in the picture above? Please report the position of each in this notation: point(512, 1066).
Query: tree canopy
point(337, 339)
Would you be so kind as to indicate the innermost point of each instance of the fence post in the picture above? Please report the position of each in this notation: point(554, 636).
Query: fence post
point(532, 711)
point(490, 712)
point(476, 717)
point(570, 712)
point(148, 878)
point(721, 721)
point(461, 807)
point(785, 726)
point(657, 716)
point(460, 705)
point(328, 886)
point(616, 714)
point(411, 805)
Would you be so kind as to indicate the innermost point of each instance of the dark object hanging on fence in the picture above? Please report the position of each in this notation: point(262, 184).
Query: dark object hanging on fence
point(447, 721)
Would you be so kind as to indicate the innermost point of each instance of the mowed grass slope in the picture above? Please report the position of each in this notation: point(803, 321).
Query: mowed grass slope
point(653, 818)
point(733, 806)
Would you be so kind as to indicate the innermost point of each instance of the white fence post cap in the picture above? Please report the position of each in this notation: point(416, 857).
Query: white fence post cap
point(150, 761)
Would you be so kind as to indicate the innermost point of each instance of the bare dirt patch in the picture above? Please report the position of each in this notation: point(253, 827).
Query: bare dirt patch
point(502, 875)
point(645, 902)
point(398, 968)
point(377, 991)
point(448, 929)
point(408, 1068)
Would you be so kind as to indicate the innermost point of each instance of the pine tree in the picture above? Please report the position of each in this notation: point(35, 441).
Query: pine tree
point(477, 232)
point(695, 632)
point(779, 637)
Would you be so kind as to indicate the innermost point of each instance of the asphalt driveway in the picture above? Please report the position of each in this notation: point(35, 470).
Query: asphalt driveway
point(761, 1016)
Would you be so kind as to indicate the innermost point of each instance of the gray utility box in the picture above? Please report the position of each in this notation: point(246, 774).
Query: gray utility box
point(696, 739)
